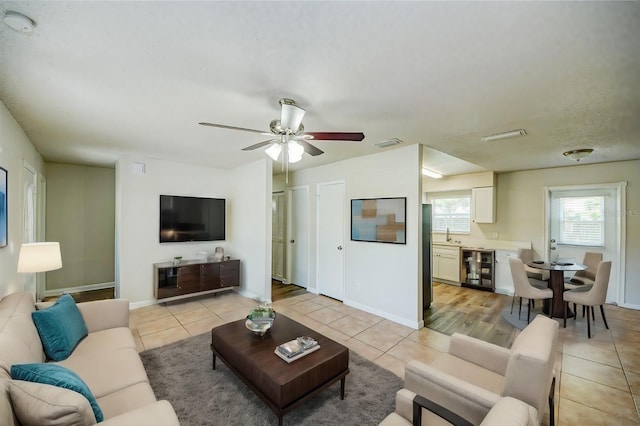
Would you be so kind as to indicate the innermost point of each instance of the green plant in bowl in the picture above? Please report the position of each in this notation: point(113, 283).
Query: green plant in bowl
point(260, 319)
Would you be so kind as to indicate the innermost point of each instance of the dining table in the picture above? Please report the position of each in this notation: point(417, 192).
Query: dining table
point(556, 283)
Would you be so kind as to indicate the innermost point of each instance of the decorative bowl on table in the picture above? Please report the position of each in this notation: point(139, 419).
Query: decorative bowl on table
point(260, 320)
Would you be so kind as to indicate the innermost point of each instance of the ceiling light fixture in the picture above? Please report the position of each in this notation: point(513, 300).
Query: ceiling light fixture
point(19, 22)
point(388, 142)
point(431, 173)
point(504, 135)
point(578, 154)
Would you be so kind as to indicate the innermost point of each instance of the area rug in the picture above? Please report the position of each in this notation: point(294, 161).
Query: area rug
point(182, 374)
point(520, 321)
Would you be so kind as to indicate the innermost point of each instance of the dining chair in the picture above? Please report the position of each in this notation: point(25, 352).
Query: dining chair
point(528, 288)
point(586, 276)
point(526, 255)
point(590, 295)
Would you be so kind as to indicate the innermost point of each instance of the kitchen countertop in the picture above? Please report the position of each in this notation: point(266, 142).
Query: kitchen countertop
point(486, 244)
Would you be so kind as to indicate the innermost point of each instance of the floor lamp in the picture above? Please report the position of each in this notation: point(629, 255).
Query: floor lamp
point(39, 257)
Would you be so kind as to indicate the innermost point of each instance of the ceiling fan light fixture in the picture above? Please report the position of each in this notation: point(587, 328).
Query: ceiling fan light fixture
point(504, 135)
point(291, 116)
point(294, 151)
point(578, 154)
point(274, 151)
point(431, 173)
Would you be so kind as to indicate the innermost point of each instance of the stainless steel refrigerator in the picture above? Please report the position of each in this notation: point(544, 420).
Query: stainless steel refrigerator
point(427, 287)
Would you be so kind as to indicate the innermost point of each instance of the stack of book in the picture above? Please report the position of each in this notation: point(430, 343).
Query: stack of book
point(295, 349)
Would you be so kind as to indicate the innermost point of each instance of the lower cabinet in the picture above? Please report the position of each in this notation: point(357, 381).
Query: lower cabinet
point(446, 264)
point(191, 277)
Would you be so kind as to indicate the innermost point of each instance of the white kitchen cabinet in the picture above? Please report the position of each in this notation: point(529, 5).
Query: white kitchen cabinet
point(446, 263)
point(483, 205)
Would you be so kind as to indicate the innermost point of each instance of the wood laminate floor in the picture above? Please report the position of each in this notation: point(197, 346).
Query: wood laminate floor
point(467, 311)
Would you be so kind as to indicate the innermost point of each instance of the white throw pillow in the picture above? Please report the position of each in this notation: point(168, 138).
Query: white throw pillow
point(46, 405)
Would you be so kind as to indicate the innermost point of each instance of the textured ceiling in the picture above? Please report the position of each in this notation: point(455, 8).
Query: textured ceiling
point(98, 79)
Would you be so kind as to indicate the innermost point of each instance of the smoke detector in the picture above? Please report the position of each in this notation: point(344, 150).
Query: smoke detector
point(19, 22)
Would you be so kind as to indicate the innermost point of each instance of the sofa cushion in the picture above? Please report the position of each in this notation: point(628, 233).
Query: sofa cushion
point(56, 375)
point(60, 327)
point(37, 404)
point(19, 340)
point(127, 399)
point(109, 371)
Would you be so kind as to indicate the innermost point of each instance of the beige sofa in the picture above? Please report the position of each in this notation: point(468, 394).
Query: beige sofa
point(107, 361)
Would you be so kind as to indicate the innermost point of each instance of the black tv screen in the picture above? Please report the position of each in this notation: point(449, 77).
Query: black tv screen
point(191, 219)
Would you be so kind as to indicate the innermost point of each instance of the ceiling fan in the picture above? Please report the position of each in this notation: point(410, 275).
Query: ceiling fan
point(289, 132)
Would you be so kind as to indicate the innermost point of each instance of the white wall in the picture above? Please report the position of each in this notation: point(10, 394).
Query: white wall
point(15, 148)
point(137, 217)
point(250, 230)
point(384, 279)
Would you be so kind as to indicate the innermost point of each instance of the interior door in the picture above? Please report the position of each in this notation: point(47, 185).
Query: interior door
point(30, 221)
point(298, 236)
point(278, 236)
point(580, 221)
point(331, 232)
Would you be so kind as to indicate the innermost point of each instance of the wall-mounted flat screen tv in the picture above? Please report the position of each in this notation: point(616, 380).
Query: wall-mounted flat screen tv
point(185, 219)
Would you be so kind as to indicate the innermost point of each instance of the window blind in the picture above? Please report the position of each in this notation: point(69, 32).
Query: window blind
point(453, 213)
point(582, 221)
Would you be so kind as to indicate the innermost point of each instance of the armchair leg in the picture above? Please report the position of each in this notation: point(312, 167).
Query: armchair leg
point(575, 312)
point(513, 300)
point(529, 305)
point(593, 315)
point(564, 314)
point(603, 317)
point(588, 325)
point(550, 308)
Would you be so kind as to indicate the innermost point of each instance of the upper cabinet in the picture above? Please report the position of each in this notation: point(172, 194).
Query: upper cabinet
point(483, 205)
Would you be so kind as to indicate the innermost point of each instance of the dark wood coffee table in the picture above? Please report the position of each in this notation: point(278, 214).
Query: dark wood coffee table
point(281, 385)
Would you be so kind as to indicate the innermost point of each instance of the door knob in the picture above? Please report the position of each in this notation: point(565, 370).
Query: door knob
point(553, 241)
point(553, 248)
point(339, 247)
point(292, 241)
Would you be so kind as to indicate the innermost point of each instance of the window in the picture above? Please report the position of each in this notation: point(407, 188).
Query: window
point(582, 221)
point(453, 212)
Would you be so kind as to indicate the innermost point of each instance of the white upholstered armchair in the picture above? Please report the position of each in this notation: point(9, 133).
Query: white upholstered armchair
point(474, 375)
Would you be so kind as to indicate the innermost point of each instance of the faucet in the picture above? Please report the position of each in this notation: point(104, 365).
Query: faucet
point(448, 237)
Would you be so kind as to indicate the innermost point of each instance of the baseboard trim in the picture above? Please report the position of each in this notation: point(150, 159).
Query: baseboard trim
point(88, 287)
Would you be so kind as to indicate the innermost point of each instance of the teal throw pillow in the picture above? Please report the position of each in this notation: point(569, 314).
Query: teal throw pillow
point(56, 375)
point(60, 327)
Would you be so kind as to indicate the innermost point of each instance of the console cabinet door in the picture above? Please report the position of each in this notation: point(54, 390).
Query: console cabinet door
point(210, 275)
point(230, 273)
point(188, 279)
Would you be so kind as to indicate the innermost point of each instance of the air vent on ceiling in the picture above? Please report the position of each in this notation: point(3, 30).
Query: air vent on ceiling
point(389, 142)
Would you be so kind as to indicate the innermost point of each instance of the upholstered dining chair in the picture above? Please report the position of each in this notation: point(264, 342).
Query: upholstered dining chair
point(586, 276)
point(590, 295)
point(526, 255)
point(528, 288)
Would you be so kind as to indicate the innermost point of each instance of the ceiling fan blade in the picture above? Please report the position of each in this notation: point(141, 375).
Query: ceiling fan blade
point(308, 148)
point(291, 115)
point(336, 136)
point(259, 144)
point(244, 129)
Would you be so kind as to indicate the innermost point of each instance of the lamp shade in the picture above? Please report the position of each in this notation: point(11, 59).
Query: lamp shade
point(39, 257)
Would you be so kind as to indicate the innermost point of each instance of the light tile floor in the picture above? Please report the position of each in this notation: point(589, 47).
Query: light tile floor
point(598, 379)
